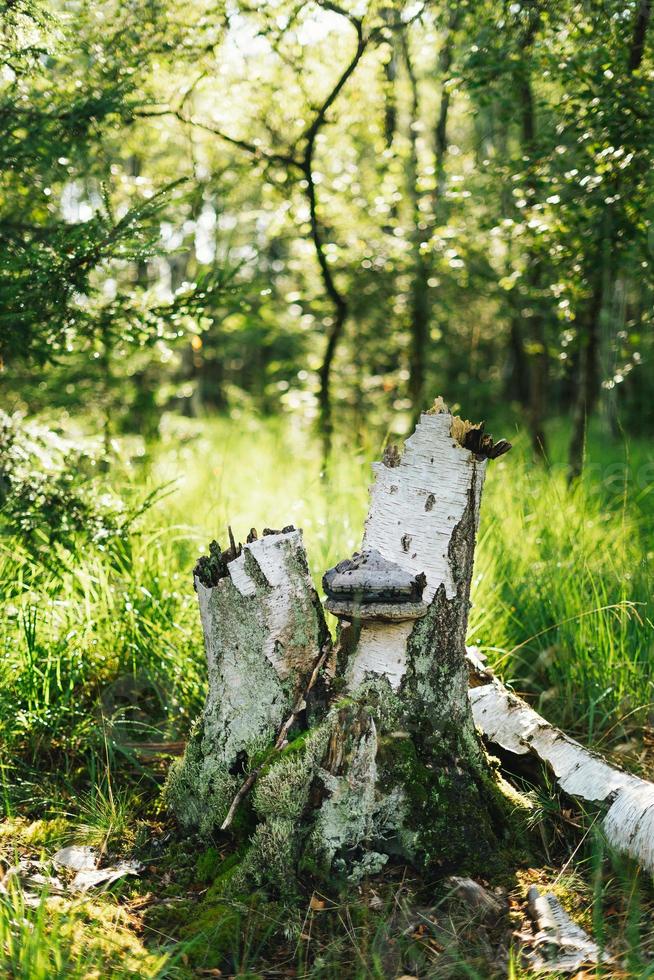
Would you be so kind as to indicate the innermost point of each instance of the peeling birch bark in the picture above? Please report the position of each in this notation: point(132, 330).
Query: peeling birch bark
point(424, 514)
point(559, 944)
point(435, 796)
point(416, 505)
point(393, 764)
point(507, 721)
point(264, 630)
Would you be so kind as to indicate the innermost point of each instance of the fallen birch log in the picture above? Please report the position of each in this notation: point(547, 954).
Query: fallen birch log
point(507, 721)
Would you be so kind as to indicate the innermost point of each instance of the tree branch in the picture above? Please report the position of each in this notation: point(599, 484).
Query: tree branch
point(332, 290)
point(256, 151)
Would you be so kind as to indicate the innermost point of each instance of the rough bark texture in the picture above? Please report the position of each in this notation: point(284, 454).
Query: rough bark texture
point(392, 764)
point(412, 676)
point(263, 628)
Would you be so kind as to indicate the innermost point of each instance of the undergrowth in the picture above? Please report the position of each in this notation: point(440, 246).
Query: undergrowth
point(102, 673)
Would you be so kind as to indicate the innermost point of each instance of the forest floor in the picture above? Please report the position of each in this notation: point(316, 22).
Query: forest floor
point(103, 673)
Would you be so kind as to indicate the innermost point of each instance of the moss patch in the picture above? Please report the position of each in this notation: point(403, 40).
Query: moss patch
point(18, 832)
point(459, 820)
point(199, 789)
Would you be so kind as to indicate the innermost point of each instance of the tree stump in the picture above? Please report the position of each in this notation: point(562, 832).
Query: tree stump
point(344, 759)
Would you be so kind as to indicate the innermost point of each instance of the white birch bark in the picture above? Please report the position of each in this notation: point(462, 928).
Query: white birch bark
point(415, 506)
point(263, 629)
point(510, 723)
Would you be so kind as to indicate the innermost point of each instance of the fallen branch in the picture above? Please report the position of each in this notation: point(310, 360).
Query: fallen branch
point(508, 722)
point(559, 944)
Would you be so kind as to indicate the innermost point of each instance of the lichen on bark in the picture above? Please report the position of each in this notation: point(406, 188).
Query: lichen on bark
point(263, 625)
point(390, 764)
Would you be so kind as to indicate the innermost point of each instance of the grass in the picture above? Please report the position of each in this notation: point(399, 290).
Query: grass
point(102, 663)
point(57, 939)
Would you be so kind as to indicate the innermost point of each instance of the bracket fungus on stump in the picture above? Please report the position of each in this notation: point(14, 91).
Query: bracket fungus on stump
point(368, 586)
point(344, 758)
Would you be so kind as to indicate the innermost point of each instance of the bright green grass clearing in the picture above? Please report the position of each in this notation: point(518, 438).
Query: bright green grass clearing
point(102, 650)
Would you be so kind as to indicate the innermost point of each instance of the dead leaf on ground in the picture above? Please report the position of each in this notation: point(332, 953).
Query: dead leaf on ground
point(104, 877)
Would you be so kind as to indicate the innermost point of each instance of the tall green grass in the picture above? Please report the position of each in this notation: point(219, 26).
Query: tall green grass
point(563, 578)
point(101, 656)
point(102, 651)
point(52, 938)
point(562, 594)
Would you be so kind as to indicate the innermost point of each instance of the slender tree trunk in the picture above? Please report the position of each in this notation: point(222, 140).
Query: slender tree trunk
point(605, 252)
point(440, 131)
point(641, 25)
point(420, 309)
point(338, 300)
point(588, 376)
point(539, 358)
point(390, 98)
point(420, 305)
point(516, 375)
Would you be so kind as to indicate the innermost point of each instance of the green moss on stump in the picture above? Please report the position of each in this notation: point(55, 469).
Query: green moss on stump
point(199, 789)
point(458, 816)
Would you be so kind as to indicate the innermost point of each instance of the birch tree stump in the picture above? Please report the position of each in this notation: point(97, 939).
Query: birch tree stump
point(263, 626)
point(387, 761)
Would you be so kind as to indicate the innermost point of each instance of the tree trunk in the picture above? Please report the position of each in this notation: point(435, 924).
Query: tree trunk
point(419, 305)
point(588, 376)
point(390, 763)
point(606, 252)
point(419, 299)
point(538, 366)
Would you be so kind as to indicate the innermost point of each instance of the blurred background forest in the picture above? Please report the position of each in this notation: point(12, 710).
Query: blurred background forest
point(329, 209)
point(242, 244)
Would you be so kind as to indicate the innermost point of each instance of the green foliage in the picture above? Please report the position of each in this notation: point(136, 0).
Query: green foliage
point(56, 939)
point(79, 225)
point(480, 201)
point(52, 493)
